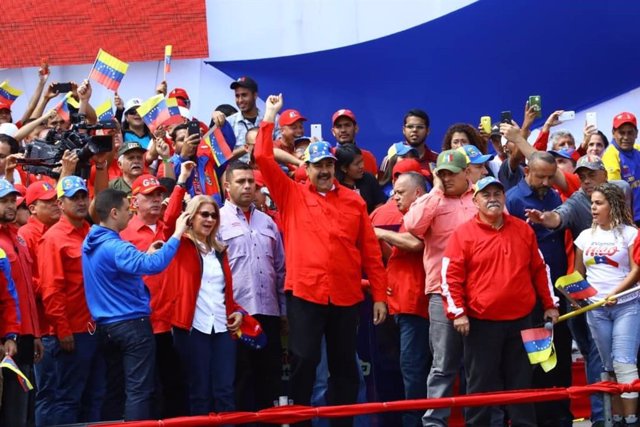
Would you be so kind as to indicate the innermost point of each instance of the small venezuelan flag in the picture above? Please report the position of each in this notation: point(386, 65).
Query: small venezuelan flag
point(63, 109)
point(157, 111)
point(108, 70)
point(216, 141)
point(104, 111)
point(10, 364)
point(8, 94)
point(575, 286)
point(167, 58)
point(538, 343)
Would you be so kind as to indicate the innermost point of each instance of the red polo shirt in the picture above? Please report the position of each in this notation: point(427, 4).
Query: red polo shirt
point(329, 240)
point(32, 232)
point(60, 267)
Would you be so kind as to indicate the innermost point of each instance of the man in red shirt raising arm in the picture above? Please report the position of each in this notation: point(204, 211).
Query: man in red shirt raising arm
point(329, 242)
point(492, 273)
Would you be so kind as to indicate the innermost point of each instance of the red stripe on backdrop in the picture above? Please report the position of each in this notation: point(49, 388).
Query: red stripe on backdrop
point(130, 30)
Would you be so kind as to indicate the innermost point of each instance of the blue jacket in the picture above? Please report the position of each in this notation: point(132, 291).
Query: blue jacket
point(113, 270)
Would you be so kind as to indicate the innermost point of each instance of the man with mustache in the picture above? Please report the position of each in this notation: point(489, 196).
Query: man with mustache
point(534, 192)
point(131, 161)
point(432, 218)
point(329, 242)
point(344, 130)
point(489, 261)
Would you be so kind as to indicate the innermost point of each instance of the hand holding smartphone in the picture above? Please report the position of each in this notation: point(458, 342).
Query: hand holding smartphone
point(592, 119)
point(485, 122)
point(62, 87)
point(535, 101)
point(316, 132)
point(506, 117)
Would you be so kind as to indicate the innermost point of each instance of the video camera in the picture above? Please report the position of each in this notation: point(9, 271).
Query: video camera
point(43, 156)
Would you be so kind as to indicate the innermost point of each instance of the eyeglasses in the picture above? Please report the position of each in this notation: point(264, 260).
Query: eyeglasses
point(206, 214)
point(416, 127)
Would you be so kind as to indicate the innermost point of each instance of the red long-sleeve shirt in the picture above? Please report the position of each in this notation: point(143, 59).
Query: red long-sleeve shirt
point(329, 239)
point(494, 274)
point(141, 235)
point(32, 232)
point(21, 271)
point(9, 304)
point(61, 280)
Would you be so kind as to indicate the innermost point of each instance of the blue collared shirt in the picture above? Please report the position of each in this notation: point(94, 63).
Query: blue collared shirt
point(256, 258)
point(551, 242)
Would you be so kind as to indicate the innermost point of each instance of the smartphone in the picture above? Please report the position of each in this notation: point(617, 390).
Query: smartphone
point(506, 117)
point(592, 120)
point(62, 87)
point(536, 102)
point(316, 131)
point(193, 127)
point(485, 122)
point(566, 116)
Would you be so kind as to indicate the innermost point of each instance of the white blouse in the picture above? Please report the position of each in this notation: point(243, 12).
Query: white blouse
point(211, 314)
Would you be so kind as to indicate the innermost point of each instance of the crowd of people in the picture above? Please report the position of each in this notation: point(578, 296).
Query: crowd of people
point(133, 281)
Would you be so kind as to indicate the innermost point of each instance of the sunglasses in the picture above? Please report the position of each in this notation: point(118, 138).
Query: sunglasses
point(206, 214)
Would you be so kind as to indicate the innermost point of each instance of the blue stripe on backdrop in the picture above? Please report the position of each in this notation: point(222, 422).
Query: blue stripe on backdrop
point(479, 60)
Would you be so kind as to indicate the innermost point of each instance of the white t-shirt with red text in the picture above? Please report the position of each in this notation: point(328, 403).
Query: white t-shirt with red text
point(605, 254)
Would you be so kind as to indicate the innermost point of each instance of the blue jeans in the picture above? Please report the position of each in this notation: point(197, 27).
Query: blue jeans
point(593, 364)
point(446, 347)
point(46, 383)
point(615, 330)
point(209, 361)
point(415, 361)
point(81, 381)
point(130, 353)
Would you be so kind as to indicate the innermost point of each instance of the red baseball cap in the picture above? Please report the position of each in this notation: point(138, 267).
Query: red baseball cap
point(5, 106)
point(180, 95)
point(289, 117)
point(341, 113)
point(624, 118)
point(22, 190)
point(146, 184)
point(39, 191)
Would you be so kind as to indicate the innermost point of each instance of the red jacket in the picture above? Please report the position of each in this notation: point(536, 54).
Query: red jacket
point(21, 272)
point(138, 233)
point(32, 232)
point(494, 274)
point(183, 278)
point(328, 240)
point(61, 280)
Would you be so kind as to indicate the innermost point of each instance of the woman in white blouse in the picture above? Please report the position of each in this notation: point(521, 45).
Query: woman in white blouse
point(205, 316)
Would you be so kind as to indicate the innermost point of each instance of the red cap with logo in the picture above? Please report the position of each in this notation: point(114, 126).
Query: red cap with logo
point(289, 117)
point(146, 184)
point(341, 113)
point(624, 118)
point(39, 191)
point(5, 106)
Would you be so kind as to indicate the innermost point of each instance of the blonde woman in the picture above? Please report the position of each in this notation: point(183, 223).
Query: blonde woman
point(205, 315)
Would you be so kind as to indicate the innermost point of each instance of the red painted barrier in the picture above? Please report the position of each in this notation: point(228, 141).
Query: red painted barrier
point(292, 414)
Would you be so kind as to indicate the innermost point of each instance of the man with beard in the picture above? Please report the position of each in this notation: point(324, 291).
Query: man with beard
point(416, 130)
point(490, 260)
point(534, 192)
point(329, 243)
point(131, 161)
point(79, 364)
point(344, 129)
point(249, 116)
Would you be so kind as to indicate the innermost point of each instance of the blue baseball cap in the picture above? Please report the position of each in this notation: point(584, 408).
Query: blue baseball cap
point(317, 151)
point(400, 149)
point(7, 188)
point(485, 182)
point(70, 185)
point(565, 153)
point(474, 156)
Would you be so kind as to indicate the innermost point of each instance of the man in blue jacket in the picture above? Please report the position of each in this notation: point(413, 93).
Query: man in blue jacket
point(119, 303)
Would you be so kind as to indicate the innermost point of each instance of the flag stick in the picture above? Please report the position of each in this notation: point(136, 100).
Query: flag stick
point(596, 304)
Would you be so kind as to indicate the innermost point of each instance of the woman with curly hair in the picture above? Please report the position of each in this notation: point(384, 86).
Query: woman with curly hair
point(460, 134)
point(605, 253)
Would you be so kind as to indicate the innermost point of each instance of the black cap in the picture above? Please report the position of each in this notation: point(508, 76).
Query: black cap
point(246, 82)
